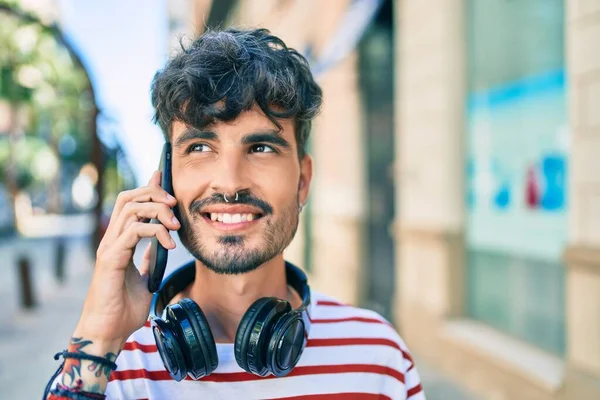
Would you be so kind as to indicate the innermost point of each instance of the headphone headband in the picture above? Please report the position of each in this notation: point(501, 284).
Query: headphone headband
point(182, 277)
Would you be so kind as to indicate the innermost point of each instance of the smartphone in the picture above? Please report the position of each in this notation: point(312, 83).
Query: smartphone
point(158, 254)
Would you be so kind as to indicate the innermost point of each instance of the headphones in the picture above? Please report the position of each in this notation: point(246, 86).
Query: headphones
point(269, 340)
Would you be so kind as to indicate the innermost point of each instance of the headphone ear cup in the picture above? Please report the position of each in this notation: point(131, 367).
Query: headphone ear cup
point(169, 349)
point(203, 350)
point(287, 344)
point(254, 334)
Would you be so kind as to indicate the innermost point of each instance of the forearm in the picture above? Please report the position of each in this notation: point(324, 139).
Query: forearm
point(80, 375)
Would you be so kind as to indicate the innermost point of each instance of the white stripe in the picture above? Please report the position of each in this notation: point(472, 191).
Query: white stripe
point(353, 329)
point(130, 389)
point(142, 336)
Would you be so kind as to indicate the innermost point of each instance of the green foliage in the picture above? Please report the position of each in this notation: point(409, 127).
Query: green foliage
point(50, 92)
point(27, 153)
point(37, 74)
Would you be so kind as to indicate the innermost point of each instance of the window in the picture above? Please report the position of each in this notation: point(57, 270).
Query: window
point(517, 168)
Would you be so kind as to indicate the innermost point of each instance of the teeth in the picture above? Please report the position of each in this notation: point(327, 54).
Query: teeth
point(231, 218)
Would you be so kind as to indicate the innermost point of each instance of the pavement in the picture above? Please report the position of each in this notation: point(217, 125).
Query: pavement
point(30, 338)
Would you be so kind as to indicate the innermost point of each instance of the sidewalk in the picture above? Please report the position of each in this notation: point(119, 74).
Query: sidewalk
point(29, 339)
point(439, 387)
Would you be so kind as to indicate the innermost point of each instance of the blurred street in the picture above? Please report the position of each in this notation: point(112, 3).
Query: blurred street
point(29, 339)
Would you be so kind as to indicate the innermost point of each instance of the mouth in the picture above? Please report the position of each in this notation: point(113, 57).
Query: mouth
point(231, 218)
point(232, 222)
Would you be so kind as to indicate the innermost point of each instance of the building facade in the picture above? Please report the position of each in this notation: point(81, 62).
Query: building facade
point(497, 230)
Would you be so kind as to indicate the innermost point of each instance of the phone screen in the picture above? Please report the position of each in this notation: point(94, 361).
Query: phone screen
point(158, 254)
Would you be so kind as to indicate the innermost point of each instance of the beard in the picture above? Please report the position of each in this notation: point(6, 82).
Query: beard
point(232, 254)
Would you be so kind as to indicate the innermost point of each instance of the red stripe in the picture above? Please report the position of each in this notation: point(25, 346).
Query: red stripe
point(151, 348)
point(408, 357)
point(146, 348)
point(163, 375)
point(338, 396)
point(331, 303)
point(348, 319)
point(352, 342)
point(413, 391)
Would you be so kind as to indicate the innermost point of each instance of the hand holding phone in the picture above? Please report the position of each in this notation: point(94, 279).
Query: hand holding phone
point(159, 254)
point(118, 300)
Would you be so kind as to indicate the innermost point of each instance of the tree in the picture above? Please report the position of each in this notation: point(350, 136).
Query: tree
point(49, 103)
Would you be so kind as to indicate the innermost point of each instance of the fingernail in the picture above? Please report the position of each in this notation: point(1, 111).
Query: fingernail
point(175, 221)
point(172, 242)
point(169, 197)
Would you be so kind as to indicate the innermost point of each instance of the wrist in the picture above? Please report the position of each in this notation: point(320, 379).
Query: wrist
point(98, 344)
point(88, 363)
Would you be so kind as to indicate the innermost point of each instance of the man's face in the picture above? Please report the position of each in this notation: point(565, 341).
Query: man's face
point(248, 156)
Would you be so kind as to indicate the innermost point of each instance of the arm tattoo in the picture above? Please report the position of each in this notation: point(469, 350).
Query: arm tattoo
point(99, 369)
point(72, 366)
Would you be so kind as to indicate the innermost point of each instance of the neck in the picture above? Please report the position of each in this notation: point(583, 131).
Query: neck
point(225, 298)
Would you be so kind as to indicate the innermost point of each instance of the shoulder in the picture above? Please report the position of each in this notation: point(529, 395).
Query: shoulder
point(330, 316)
point(365, 331)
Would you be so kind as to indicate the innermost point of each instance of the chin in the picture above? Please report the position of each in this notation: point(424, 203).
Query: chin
point(236, 262)
point(229, 254)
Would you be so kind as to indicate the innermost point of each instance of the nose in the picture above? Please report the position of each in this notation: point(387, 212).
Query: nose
point(230, 176)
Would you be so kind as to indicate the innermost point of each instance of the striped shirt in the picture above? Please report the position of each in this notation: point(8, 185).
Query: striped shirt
point(351, 353)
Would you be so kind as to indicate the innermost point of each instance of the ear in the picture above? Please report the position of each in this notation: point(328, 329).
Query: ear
point(305, 178)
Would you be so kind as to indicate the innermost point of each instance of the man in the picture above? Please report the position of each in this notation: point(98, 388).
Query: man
point(236, 107)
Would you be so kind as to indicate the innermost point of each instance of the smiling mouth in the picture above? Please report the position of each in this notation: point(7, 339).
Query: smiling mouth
point(227, 218)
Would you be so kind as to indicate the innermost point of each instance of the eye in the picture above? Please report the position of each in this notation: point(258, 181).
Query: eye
point(199, 147)
point(261, 148)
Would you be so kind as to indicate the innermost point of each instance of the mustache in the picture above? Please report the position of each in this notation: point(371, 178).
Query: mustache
point(244, 197)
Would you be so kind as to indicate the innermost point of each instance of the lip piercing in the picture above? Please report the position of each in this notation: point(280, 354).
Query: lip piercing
point(237, 196)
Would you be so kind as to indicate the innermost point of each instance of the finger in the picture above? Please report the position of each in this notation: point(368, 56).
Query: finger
point(143, 194)
point(134, 212)
point(153, 193)
point(138, 230)
point(145, 263)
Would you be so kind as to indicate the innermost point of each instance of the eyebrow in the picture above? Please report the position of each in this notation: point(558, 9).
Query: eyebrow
point(191, 134)
point(269, 136)
point(272, 137)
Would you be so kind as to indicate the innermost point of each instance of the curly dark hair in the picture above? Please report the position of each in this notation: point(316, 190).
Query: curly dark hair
point(225, 72)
